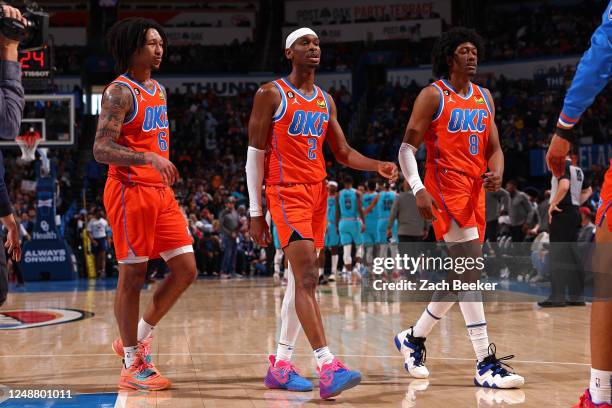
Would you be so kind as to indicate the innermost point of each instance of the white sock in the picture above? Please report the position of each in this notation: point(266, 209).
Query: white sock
point(474, 316)
point(129, 355)
point(144, 330)
point(290, 323)
point(284, 352)
point(320, 272)
point(601, 386)
point(323, 356)
point(480, 340)
point(432, 314)
point(334, 264)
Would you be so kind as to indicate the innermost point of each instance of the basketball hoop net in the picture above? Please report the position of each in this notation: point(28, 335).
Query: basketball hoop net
point(28, 144)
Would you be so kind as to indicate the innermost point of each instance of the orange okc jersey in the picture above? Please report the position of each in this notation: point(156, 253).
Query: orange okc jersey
point(459, 133)
point(294, 153)
point(145, 129)
point(456, 158)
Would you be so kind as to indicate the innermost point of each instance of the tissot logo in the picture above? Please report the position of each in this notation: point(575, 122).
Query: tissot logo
point(26, 319)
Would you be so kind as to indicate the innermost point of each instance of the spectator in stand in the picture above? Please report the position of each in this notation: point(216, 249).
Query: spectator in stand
point(230, 227)
point(494, 203)
point(520, 211)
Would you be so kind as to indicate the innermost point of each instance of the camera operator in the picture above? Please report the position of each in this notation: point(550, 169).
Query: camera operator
point(11, 109)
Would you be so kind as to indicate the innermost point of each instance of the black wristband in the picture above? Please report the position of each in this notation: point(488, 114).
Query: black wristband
point(566, 134)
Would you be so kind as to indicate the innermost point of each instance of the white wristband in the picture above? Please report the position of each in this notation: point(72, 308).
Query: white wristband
point(409, 167)
point(255, 174)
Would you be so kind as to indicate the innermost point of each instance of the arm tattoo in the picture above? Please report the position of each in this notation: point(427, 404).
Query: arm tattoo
point(116, 103)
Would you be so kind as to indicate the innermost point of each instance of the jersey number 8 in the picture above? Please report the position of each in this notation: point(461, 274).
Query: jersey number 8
point(474, 144)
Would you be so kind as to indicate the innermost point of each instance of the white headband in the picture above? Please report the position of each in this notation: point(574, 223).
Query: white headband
point(332, 183)
point(300, 32)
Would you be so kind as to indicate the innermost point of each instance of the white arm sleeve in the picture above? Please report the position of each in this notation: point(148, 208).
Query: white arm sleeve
point(409, 167)
point(255, 174)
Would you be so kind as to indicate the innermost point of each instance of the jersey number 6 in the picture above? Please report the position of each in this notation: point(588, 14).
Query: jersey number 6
point(162, 141)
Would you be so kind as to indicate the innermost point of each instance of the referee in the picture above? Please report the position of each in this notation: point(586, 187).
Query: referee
point(11, 108)
point(568, 192)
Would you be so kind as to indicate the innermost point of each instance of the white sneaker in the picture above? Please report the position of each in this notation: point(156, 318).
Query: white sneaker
point(490, 373)
point(415, 386)
point(495, 398)
point(414, 351)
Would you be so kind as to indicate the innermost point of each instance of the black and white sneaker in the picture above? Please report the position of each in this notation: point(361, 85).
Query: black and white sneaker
point(490, 372)
point(414, 351)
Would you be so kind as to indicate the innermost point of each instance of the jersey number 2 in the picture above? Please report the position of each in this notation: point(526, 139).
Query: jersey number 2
point(474, 144)
point(312, 148)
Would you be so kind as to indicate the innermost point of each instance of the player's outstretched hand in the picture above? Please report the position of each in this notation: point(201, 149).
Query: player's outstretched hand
point(388, 170)
point(164, 166)
point(555, 157)
point(425, 204)
point(260, 231)
point(492, 181)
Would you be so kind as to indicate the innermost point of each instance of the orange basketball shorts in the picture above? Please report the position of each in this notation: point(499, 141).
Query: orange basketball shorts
point(299, 210)
point(459, 197)
point(146, 222)
point(605, 203)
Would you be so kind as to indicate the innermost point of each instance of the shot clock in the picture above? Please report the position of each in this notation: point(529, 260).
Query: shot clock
point(37, 68)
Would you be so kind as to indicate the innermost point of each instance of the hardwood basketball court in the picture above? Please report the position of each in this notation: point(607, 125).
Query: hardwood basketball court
point(214, 344)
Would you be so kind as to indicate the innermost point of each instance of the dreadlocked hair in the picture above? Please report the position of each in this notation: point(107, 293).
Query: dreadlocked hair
point(128, 36)
point(446, 45)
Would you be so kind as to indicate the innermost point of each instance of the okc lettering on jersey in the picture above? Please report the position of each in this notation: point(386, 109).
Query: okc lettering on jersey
point(307, 123)
point(156, 117)
point(467, 120)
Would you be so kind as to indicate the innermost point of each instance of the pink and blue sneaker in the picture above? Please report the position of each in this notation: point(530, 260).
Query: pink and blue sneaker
point(283, 375)
point(334, 378)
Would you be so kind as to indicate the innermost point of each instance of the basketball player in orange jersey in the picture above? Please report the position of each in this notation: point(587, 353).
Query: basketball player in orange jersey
point(134, 140)
point(592, 75)
point(290, 121)
point(455, 117)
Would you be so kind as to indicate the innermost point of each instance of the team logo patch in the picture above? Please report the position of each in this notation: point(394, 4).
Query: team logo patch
point(162, 96)
point(446, 93)
point(27, 319)
point(479, 99)
point(136, 91)
point(290, 94)
point(321, 103)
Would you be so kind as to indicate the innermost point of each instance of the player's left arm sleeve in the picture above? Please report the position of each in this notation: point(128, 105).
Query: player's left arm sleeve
point(592, 74)
point(255, 175)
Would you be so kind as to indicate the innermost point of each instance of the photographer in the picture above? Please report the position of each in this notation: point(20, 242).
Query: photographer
point(11, 109)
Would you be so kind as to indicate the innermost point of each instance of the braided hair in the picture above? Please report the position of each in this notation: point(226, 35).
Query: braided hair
point(128, 36)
